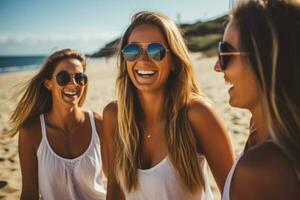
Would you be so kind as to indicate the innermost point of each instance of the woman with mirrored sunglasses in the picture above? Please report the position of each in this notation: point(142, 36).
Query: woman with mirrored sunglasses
point(59, 141)
point(259, 57)
point(160, 132)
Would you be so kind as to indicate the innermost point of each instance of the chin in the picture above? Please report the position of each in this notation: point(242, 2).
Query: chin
point(144, 87)
point(234, 103)
point(71, 103)
point(237, 104)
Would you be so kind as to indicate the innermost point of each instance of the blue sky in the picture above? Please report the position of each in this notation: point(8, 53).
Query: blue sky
point(38, 27)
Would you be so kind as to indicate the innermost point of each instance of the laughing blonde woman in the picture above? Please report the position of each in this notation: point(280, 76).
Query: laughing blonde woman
point(161, 132)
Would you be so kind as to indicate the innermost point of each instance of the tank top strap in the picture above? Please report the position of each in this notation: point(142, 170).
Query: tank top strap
point(92, 121)
point(43, 126)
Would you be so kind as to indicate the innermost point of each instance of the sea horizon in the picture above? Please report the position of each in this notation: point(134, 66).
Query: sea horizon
point(13, 63)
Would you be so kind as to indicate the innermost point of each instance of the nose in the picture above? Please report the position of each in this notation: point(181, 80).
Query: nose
point(143, 56)
point(217, 66)
point(72, 80)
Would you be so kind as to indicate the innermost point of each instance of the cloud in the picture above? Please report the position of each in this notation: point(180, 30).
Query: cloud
point(24, 43)
point(25, 37)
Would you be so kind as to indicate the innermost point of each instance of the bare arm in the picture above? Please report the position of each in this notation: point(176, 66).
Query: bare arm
point(29, 164)
point(213, 139)
point(114, 191)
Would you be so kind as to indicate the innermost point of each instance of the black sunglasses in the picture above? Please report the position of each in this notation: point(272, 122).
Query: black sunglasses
point(64, 77)
point(155, 51)
point(225, 51)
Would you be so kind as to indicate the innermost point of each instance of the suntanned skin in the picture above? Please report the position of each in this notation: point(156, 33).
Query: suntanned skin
point(264, 172)
point(109, 131)
point(68, 130)
point(207, 128)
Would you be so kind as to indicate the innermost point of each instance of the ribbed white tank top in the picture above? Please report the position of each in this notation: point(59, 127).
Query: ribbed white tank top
point(78, 178)
point(161, 182)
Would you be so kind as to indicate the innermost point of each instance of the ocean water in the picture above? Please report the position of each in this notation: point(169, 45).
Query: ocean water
point(18, 63)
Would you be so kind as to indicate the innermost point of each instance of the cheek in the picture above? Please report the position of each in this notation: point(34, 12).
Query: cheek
point(166, 66)
point(246, 86)
point(168, 63)
point(251, 88)
point(129, 66)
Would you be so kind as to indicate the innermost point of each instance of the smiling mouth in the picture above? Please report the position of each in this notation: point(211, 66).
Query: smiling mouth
point(70, 94)
point(145, 73)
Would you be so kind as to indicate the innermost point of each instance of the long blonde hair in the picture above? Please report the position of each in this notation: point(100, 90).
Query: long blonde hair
point(270, 30)
point(37, 99)
point(181, 87)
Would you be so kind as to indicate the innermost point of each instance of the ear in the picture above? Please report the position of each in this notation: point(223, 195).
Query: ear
point(48, 84)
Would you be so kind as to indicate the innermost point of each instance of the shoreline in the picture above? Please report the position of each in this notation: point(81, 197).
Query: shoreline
point(102, 74)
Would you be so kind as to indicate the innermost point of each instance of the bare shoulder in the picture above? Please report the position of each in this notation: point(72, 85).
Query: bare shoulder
point(199, 109)
point(110, 117)
point(198, 106)
point(110, 111)
point(202, 115)
point(30, 133)
point(265, 172)
point(267, 158)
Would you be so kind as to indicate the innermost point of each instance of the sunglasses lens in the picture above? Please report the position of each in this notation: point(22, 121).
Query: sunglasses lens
point(131, 52)
point(81, 79)
point(156, 51)
point(223, 59)
point(63, 78)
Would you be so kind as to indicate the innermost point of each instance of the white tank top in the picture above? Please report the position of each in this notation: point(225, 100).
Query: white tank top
point(161, 182)
point(68, 179)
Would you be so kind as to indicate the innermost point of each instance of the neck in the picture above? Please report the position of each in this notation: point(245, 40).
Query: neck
point(260, 124)
point(66, 119)
point(152, 105)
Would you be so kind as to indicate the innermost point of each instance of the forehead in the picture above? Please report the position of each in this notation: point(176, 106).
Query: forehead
point(231, 34)
point(71, 65)
point(146, 33)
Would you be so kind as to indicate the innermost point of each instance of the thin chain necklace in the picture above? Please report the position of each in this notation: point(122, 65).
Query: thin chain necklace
point(148, 134)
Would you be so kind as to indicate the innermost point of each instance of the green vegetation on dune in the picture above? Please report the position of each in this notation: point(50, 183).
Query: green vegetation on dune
point(203, 43)
point(199, 37)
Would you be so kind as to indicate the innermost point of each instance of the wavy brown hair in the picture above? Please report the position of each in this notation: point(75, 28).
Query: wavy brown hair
point(182, 88)
point(37, 99)
point(270, 30)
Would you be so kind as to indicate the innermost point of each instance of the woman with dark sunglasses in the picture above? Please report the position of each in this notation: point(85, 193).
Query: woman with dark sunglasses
point(259, 57)
point(59, 142)
point(161, 131)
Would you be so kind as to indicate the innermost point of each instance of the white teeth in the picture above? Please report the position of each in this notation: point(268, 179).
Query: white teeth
point(70, 93)
point(145, 72)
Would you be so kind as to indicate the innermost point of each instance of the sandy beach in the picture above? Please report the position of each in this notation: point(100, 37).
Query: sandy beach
point(102, 74)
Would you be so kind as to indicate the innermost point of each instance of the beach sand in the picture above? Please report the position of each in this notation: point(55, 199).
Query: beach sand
point(102, 74)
